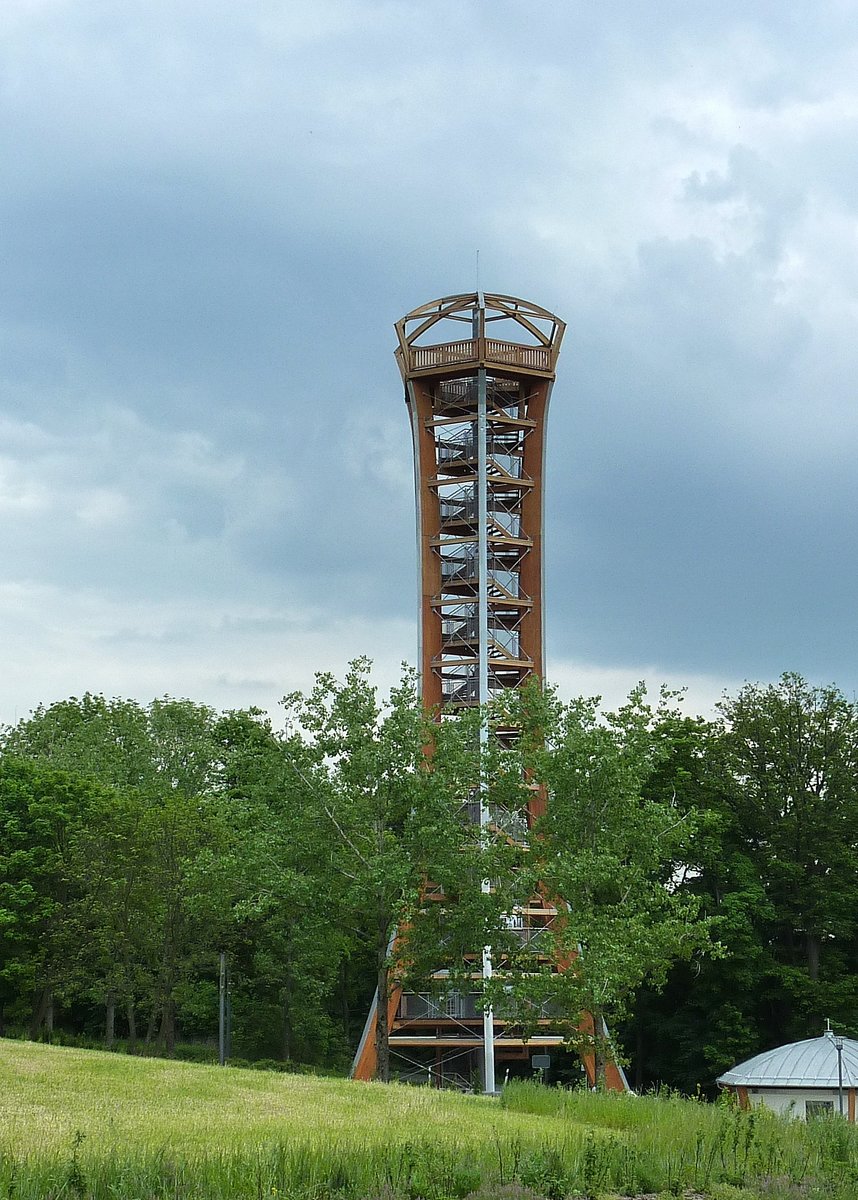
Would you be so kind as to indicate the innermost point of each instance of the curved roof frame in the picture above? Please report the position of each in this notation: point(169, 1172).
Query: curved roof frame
point(477, 310)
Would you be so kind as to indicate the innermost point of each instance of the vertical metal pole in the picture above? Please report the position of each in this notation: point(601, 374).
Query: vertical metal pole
point(221, 1041)
point(483, 545)
point(838, 1045)
point(482, 521)
point(228, 1034)
point(483, 618)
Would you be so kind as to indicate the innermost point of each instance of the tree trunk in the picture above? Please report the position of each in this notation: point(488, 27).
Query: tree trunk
point(128, 992)
point(382, 1029)
point(286, 997)
point(813, 956)
point(639, 1057)
point(132, 1025)
point(167, 1032)
point(345, 1012)
point(109, 1020)
point(40, 1013)
point(286, 1041)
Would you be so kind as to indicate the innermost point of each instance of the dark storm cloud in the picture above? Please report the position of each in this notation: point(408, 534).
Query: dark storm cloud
point(213, 215)
point(708, 506)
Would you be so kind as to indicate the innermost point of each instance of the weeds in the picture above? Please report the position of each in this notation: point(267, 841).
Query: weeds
point(75, 1180)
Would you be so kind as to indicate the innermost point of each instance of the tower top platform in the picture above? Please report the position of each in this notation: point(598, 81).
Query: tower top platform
point(505, 333)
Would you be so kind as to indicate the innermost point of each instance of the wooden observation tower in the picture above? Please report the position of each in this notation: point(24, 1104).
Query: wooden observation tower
point(478, 406)
point(478, 371)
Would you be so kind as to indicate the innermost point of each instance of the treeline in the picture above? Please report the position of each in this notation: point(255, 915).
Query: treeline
point(775, 781)
point(709, 867)
point(136, 844)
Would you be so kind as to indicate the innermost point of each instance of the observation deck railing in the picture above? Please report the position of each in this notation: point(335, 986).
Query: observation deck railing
point(473, 351)
point(423, 1006)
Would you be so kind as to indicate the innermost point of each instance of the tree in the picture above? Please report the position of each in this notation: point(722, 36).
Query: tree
point(152, 913)
point(207, 841)
point(708, 1014)
point(774, 782)
point(610, 856)
point(794, 755)
point(387, 786)
point(292, 986)
point(42, 811)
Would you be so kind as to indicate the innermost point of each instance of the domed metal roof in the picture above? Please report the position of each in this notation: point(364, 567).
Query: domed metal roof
point(812, 1063)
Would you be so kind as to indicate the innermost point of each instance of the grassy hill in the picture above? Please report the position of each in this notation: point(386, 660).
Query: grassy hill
point(78, 1124)
point(48, 1094)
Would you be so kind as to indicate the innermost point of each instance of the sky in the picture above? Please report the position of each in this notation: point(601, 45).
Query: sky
point(211, 215)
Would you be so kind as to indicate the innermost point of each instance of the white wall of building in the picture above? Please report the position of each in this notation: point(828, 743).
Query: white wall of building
point(791, 1102)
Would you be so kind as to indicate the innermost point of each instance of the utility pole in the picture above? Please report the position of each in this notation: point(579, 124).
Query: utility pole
point(838, 1046)
point(483, 663)
point(222, 1001)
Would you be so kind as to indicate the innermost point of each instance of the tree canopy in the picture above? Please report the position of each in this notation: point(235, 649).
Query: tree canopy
point(704, 870)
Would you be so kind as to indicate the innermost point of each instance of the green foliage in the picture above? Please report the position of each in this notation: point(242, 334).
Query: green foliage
point(298, 853)
point(609, 854)
point(145, 917)
point(291, 961)
point(390, 823)
point(44, 814)
point(775, 785)
point(138, 841)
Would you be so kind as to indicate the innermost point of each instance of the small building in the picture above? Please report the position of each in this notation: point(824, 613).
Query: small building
point(803, 1079)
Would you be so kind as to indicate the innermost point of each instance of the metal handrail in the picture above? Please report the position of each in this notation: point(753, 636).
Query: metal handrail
point(508, 354)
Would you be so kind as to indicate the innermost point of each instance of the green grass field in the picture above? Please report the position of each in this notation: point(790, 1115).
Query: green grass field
point(80, 1124)
point(47, 1094)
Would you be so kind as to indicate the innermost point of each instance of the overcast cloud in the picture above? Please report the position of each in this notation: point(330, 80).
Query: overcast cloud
point(212, 213)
